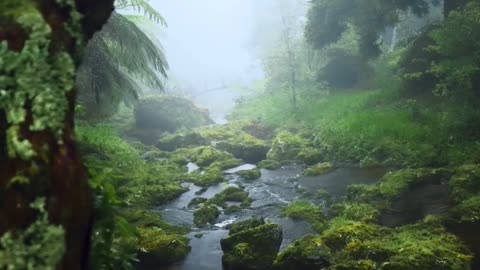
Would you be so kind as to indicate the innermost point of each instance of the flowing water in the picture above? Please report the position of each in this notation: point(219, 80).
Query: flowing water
point(273, 191)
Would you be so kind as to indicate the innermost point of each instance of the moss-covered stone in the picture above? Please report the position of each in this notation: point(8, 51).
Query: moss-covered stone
point(250, 174)
point(248, 149)
point(245, 225)
point(319, 169)
point(286, 146)
point(206, 214)
point(168, 113)
point(171, 142)
point(197, 201)
point(269, 164)
point(305, 210)
point(233, 209)
point(310, 156)
point(157, 248)
point(231, 194)
point(468, 210)
point(211, 176)
point(308, 253)
point(254, 248)
point(148, 219)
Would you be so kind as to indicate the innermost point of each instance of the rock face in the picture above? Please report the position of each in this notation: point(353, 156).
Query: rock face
point(168, 114)
point(252, 248)
point(308, 253)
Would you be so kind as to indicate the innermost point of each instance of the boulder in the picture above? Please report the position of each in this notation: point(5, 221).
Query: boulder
point(252, 249)
point(245, 225)
point(155, 115)
point(250, 174)
point(206, 214)
point(286, 146)
point(156, 248)
point(308, 253)
point(171, 142)
point(319, 169)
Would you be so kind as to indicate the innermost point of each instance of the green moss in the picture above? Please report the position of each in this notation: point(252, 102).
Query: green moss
point(197, 201)
point(269, 164)
point(305, 210)
point(231, 194)
point(308, 253)
point(359, 212)
point(211, 176)
point(286, 146)
point(40, 77)
point(319, 169)
point(227, 163)
point(310, 156)
point(148, 219)
point(171, 142)
point(160, 248)
point(206, 214)
point(233, 209)
point(425, 245)
point(245, 225)
point(250, 174)
point(254, 248)
point(40, 246)
point(468, 210)
point(465, 182)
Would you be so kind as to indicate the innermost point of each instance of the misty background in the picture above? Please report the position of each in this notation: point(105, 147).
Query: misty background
point(214, 47)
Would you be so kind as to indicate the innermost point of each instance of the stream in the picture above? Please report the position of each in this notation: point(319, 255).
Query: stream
point(273, 191)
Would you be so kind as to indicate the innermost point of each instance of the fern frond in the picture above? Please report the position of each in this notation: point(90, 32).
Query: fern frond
point(142, 6)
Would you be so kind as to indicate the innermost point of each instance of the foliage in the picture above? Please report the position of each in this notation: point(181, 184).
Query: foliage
point(116, 59)
point(40, 246)
point(36, 76)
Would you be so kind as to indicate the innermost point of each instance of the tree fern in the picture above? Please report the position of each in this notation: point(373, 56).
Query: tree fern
point(118, 60)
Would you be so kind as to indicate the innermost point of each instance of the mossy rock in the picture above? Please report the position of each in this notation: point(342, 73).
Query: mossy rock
point(156, 248)
point(319, 169)
point(250, 150)
point(305, 210)
point(233, 209)
point(310, 156)
point(226, 164)
point(171, 142)
point(206, 214)
point(308, 253)
point(250, 174)
point(210, 177)
point(168, 113)
point(231, 194)
point(148, 219)
point(245, 225)
point(207, 155)
point(252, 249)
point(269, 164)
point(197, 201)
point(468, 211)
point(286, 146)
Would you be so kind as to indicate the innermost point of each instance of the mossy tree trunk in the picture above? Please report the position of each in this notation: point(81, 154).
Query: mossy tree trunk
point(39, 158)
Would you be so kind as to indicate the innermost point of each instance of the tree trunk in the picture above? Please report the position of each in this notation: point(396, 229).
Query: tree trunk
point(56, 172)
point(450, 5)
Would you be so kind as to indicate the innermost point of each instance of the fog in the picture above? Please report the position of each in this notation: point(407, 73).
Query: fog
point(213, 44)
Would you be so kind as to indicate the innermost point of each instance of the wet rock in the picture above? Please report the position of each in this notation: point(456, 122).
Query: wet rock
point(308, 253)
point(206, 214)
point(286, 146)
point(158, 249)
point(319, 169)
point(269, 164)
point(245, 225)
point(250, 174)
point(197, 201)
point(252, 249)
point(248, 149)
point(171, 142)
point(310, 156)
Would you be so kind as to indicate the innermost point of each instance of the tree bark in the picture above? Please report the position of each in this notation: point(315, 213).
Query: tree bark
point(59, 176)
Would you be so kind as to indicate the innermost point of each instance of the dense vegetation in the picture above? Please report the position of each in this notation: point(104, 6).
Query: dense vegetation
point(373, 84)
